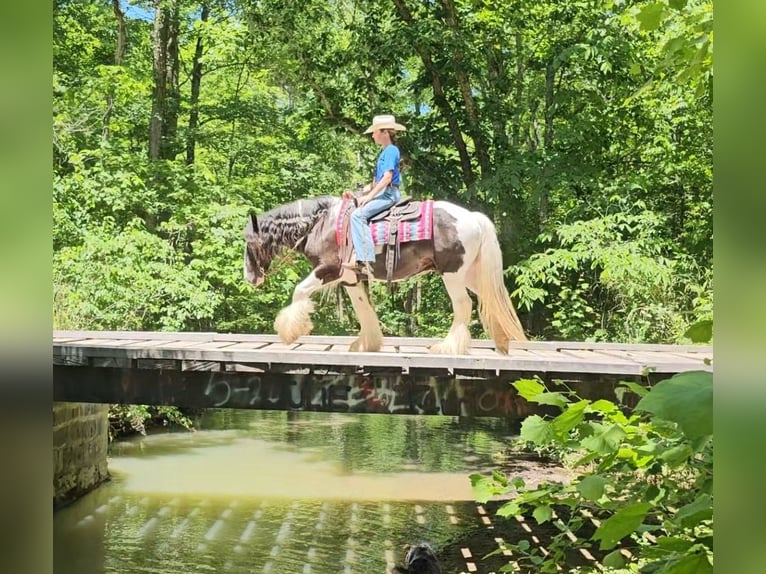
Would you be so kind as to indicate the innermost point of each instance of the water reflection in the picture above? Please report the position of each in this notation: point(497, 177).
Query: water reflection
point(257, 491)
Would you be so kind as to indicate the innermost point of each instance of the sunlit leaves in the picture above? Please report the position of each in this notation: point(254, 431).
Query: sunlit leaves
point(536, 430)
point(686, 399)
point(624, 522)
point(637, 472)
point(700, 332)
point(542, 514)
point(605, 439)
point(592, 487)
point(695, 512)
point(650, 16)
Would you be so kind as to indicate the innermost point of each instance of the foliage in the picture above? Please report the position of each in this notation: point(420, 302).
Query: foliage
point(613, 277)
point(645, 474)
point(129, 419)
point(583, 129)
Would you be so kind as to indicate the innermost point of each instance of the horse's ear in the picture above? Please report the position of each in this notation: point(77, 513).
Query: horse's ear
point(254, 221)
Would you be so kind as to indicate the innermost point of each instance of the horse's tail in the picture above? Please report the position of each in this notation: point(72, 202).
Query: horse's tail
point(495, 307)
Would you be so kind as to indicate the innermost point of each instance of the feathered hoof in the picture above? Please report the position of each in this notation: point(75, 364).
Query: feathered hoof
point(361, 345)
point(294, 321)
point(447, 348)
point(457, 342)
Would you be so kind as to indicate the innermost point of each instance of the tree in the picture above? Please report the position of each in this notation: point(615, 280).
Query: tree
point(165, 103)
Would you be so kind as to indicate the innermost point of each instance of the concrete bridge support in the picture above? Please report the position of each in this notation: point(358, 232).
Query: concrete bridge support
point(80, 442)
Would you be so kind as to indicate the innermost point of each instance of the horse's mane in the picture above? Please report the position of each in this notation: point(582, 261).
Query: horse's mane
point(286, 225)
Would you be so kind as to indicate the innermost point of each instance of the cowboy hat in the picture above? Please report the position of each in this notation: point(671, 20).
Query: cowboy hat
point(386, 122)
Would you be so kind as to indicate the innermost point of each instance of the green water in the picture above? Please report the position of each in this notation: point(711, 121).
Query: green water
point(255, 491)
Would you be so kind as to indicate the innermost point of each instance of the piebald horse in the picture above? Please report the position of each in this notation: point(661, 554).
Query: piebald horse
point(464, 251)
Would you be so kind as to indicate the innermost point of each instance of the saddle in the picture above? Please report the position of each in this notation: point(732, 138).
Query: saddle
point(406, 209)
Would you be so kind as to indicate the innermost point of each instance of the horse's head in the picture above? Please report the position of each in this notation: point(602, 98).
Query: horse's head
point(256, 261)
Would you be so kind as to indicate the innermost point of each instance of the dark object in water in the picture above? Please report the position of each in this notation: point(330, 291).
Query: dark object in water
point(419, 559)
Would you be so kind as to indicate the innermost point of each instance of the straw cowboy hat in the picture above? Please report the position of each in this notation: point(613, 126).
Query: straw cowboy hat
point(385, 122)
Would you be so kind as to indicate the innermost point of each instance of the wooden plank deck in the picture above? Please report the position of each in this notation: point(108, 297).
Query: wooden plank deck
point(318, 373)
point(403, 354)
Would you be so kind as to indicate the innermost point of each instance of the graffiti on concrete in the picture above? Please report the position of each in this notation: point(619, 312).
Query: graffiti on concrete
point(339, 392)
point(401, 394)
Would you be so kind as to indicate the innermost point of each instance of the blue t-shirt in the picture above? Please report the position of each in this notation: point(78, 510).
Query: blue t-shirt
point(388, 160)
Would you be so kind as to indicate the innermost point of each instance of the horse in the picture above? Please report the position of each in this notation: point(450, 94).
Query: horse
point(463, 249)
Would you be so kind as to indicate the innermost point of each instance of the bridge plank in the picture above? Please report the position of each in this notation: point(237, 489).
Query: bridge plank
point(232, 346)
point(657, 358)
point(401, 352)
point(596, 356)
point(394, 341)
point(179, 344)
point(283, 354)
point(413, 349)
point(312, 347)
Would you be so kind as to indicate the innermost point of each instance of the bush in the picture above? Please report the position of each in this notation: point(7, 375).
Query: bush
point(646, 476)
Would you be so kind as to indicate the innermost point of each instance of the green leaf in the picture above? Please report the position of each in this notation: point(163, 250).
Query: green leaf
point(614, 560)
point(592, 487)
point(528, 388)
point(621, 524)
point(500, 478)
point(677, 4)
point(686, 399)
point(602, 406)
point(604, 441)
point(570, 418)
point(696, 563)
point(482, 487)
point(556, 399)
point(542, 514)
point(695, 512)
point(536, 430)
point(640, 390)
point(650, 16)
point(587, 459)
point(700, 332)
point(674, 544)
point(509, 509)
point(676, 455)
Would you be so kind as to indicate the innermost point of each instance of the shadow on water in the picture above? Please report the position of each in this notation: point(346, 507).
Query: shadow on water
point(255, 491)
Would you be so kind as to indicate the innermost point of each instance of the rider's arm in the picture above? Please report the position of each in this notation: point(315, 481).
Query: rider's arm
point(377, 188)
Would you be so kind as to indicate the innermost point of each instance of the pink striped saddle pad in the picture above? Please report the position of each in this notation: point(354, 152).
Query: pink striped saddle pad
point(418, 229)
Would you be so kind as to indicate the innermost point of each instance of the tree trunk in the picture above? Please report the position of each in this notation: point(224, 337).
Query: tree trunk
point(440, 99)
point(119, 54)
point(474, 129)
point(196, 81)
point(497, 88)
point(164, 121)
point(519, 92)
point(548, 113)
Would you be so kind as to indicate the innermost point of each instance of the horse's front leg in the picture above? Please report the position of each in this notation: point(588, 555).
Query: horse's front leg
point(370, 336)
point(295, 320)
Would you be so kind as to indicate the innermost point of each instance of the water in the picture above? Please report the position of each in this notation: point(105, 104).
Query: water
point(254, 491)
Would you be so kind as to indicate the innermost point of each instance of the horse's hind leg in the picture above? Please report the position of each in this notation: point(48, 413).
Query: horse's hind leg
point(295, 320)
point(370, 336)
point(458, 340)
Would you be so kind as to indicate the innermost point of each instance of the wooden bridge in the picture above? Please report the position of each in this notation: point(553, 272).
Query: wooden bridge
point(319, 373)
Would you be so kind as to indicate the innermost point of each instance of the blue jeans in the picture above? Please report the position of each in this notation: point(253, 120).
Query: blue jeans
point(361, 235)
